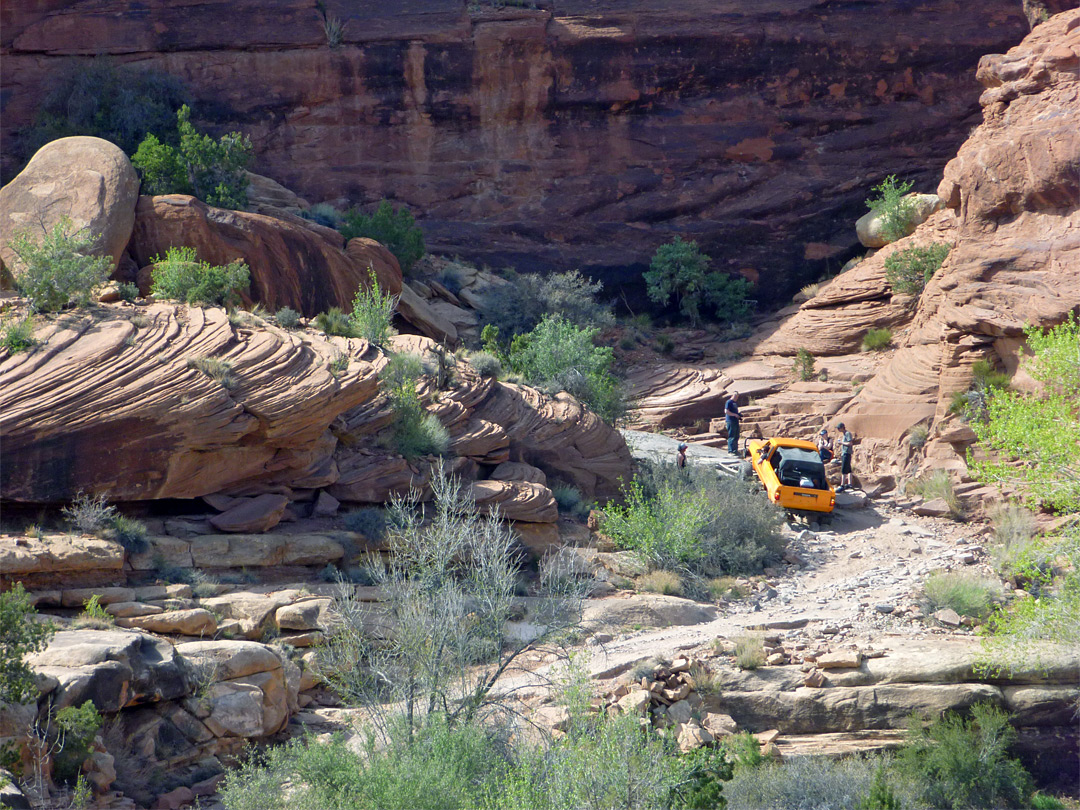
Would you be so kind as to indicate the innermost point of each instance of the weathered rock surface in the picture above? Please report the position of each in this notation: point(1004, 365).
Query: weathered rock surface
point(581, 135)
point(646, 610)
point(89, 180)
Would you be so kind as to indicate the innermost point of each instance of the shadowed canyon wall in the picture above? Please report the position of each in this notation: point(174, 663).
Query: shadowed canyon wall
point(582, 133)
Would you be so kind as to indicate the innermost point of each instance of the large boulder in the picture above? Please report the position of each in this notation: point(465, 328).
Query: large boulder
point(292, 264)
point(89, 180)
point(920, 206)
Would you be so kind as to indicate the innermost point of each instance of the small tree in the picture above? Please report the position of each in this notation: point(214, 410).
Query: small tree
point(680, 269)
point(449, 584)
point(394, 228)
point(893, 207)
point(20, 635)
point(59, 270)
point(212, 170)
point(373, 312)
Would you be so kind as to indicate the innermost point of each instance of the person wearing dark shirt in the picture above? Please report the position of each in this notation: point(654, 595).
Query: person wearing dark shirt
point(680, 456)
point(731, 420)
point(847, 442)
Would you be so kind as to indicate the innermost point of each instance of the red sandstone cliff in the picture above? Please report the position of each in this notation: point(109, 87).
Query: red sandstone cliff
point(584, 133)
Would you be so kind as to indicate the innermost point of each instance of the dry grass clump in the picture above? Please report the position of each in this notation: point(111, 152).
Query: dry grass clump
point(667, 583)
point(749, 651)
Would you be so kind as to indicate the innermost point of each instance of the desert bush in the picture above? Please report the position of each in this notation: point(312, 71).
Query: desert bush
point(76, 728)
point(21, 633)
point(680, 269)
point(908, 270)
point(333, 27)
point(665, 344)
point(569, 500)
point(416, 432)
point(749, 652)
point(806, 783)
point(876, 340)
point(937, 484)
point(804, 365)
point(518, 306)
point(212, 170)
point(287, 318)
point(94, 616)
point(127, 291)
point(89, 514)
point(663, 582)
point(339, 363)
point(18, 335)
point(373, 312)
point(129, 533)
point(369, 521)
point(968, 594)
point(98, 98)
point(59, 269)
point(221, 371)
point(394, 228)
point(323, 214)
point(725, 588)
point(486, 364)
point(558, 356)
point(963, 763)
point(893, 208)
point(180, 276)
point(1013, 524)
point(809, 291)
point(695, 523)
point(335, 322)
point(918, 435)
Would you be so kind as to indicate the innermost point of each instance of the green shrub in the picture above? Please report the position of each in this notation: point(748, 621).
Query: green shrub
point(58, 270)
point(212, 170)
point(221, 371)
point(94, 616)
point(394, 228)
point(665, 344)
point(804, 365)
point(18, 336)
point(749, 652)
point(558, 356)
point(88, 514)
point(695, 522)
point(76, 727)
point(957, 763)
point(323, 214)
point(98, 98)
point(335, 322)
point(402, 370)
point(569, 500)
point(129, 533)
point(876, 340)
point(908, 270)
point(333, 27)
point(1043, 801)
point(935, 485)
point(339, 364)
point(680, 269)
point(415, 431)
point(518, 306)
point(20, 634)
point(918, 435)
point(663, 582)
point(988, 378)
point(881, 795)
point(373, 312)
point(180, 276)
point(127, 291)
point(968, 594)
point(287, 318)
point(486, 364)
point(893, 208)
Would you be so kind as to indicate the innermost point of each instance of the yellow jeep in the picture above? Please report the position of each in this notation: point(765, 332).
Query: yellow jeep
point(793, 474)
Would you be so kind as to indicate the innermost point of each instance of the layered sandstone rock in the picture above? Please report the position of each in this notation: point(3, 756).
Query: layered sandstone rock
point(87, 180)
point(580, 135)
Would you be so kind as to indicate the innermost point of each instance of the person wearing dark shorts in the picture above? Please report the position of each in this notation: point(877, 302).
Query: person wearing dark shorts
point(731, 421)
point(847, 442)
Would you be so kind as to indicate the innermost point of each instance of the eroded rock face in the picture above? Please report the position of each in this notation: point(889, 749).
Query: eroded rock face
point(88, 180)
point(583, 135)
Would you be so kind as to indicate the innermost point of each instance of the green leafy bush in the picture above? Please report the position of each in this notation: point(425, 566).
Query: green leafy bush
point(18, 336)
point(908, 270)
point(212, 170)
point(76, 727)
point(287, 318)
point(98, 98)
point(558, 356)
point(373, 312)
point(804, 365)
point(694, 522)
point(59, 269)
point(94, 616)
point(680, 269)
point(968, 594)
point(519, 305)
point(893, 207)
point(416, 432)
point(960, 764)
point(335, 322)
point(876, 340)
point(486, 364)
point(394, 228)
point(569, 500)
point(20, 634)
point(127, 291)
point(180, 276)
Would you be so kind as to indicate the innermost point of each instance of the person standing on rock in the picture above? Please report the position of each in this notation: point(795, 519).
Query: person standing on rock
point(731, 420)
point(847, 442)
